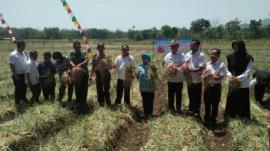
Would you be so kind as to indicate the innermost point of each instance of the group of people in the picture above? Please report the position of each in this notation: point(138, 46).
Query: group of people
point(204, 79)
point(27, 72)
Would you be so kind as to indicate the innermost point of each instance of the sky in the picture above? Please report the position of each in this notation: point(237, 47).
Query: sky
point(123, 14)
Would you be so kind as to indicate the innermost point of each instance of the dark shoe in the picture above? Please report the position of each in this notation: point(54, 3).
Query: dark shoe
point(197, 115)
point(101, 104)
point(59, 99)
point(179, 112)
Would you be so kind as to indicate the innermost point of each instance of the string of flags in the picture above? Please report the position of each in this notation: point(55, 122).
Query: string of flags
point(7, 27)
point(77, 25)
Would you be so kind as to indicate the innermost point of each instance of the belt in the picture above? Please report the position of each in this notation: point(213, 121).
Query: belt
point(21, 75)
point(214, 84)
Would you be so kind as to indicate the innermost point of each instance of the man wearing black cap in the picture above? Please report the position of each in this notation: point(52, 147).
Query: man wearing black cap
point(121, 63)
point(103, 76)
point(17, 61)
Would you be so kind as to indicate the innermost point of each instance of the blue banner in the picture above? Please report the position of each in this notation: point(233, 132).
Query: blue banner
point(163, 46)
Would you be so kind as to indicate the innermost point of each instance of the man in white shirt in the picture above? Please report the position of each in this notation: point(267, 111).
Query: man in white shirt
point(32, 78)
point(17, 61)
point(121, 63)
point(175, 59)
point(215, 71)
point(196, 63)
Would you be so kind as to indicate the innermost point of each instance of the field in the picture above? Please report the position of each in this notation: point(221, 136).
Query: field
point(48, 126)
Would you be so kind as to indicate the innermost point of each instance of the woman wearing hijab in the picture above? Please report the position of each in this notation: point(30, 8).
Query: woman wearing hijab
point(147, 76)
point(240, 65)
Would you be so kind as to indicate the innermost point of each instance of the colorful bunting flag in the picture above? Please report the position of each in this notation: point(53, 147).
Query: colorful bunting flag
point(76, 23)
point(7, 27)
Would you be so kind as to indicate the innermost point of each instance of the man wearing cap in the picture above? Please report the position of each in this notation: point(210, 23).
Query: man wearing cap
point(103, 76)
point(121, 62)
point(17, 61)
point(175, 59)
point(196, 63)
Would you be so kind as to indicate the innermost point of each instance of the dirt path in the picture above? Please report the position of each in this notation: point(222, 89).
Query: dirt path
point(41, 133)
point(133, 137)
point(217, 137)
point(134, 134)
point(8, 116)
point(218, 140)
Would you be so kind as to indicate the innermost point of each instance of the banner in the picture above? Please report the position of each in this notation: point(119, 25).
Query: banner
point(164, 46)
point(7, 27)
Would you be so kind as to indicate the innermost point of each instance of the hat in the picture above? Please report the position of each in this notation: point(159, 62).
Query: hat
point(125, 47)
point(174, 42)
point(147, 56)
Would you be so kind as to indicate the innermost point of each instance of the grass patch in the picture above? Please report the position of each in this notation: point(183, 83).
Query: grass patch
point(98, 131)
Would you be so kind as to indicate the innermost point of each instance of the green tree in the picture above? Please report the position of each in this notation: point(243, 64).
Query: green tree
point(52, 33)
point(153, 33)
point(255, 28)
point(167, 31)
point(199, 25)
point(232, 28)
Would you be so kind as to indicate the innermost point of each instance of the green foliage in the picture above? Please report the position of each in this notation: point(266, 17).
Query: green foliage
point(233, 27)
point(199, 25)
point(200, 29)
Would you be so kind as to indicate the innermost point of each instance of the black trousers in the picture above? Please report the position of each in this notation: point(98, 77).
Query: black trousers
point(148, 101)
point(119, 92)
point(194, 94)
point(211, 102)
point(81, 91)
point(175, 91)
point(238, 103)
point(20, 89)
point(47, 90)
point(259, 92)
point(62, 90)
point(103, 88)
point(36, 90)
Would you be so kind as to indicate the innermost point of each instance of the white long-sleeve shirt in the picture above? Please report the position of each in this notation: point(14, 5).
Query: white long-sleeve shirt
point(218, 68)
point(178, 60)
point(121, 63)
point(244, 77)
point(195, 60)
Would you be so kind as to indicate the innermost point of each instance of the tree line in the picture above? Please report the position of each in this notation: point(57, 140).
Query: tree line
point(200, 28)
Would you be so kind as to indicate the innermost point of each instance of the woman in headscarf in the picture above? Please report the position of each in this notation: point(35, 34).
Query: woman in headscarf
point(240, 65)
point(147, 76)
